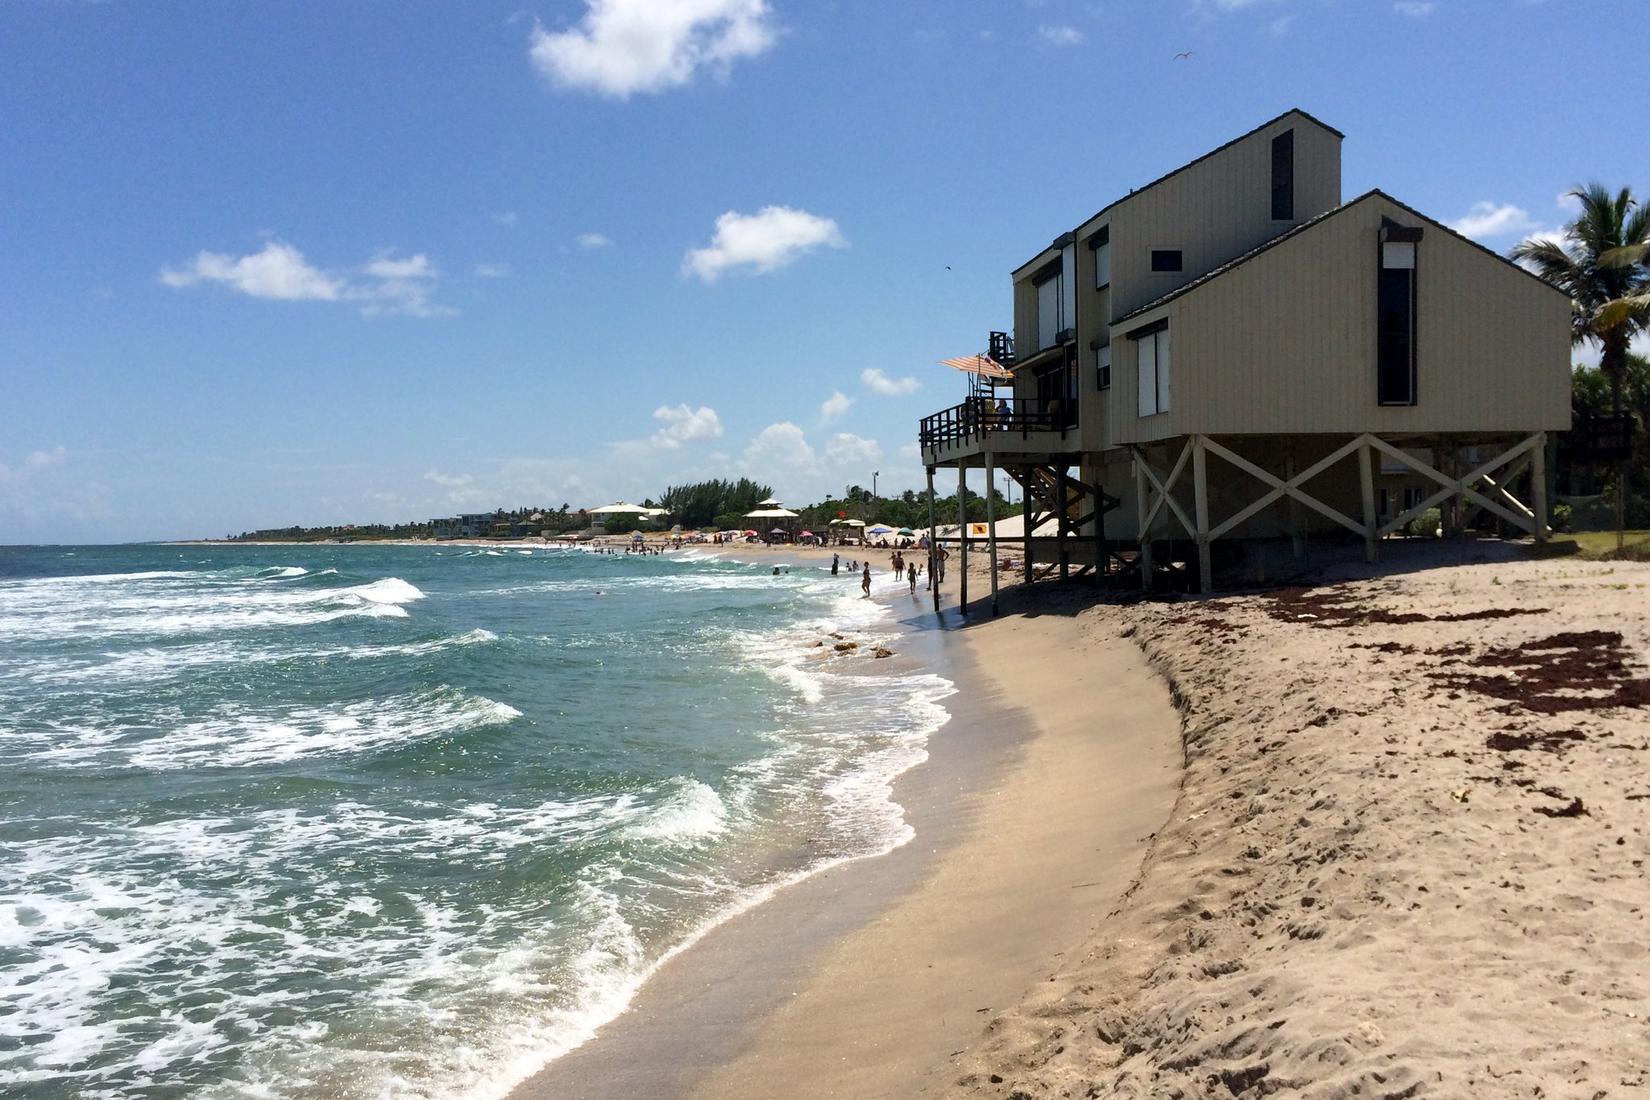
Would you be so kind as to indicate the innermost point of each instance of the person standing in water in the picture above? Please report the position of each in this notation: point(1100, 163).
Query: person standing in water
point(836, 561)
point(865, 581)
point(911, 575)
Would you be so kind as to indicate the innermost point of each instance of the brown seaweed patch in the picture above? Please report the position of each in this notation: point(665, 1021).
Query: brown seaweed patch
point(1574, 670)
point(1334, 607)
point(1555, 742)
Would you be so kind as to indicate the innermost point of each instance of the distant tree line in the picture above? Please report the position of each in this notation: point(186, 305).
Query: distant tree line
point(715, 503)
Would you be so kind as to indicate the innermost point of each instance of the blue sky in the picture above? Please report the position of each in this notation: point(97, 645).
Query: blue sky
point(319, 262)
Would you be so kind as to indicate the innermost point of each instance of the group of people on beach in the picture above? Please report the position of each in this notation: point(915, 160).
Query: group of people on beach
point(909, 568)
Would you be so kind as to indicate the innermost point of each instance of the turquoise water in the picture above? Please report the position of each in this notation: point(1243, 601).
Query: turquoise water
point(351, 821)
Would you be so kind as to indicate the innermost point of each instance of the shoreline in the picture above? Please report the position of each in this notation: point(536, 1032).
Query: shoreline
point(864, 977)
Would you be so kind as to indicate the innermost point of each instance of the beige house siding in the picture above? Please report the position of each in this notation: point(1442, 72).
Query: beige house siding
point(1215, 209)
point(1285, 341)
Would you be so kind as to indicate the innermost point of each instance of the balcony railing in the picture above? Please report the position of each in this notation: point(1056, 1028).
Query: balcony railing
point(970, 421)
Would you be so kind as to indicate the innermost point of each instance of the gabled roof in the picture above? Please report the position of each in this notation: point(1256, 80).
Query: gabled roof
point(1135, 192)
point(1310, 223)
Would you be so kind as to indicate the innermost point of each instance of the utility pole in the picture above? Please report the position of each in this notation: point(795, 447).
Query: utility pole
point(874, 474)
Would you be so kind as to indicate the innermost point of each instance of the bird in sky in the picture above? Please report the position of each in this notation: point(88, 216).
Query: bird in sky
point(1183, 56)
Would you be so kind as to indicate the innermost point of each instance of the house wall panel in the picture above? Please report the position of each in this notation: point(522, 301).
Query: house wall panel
point(1285, 343)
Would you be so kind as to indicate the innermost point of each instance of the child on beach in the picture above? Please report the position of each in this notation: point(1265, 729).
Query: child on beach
point(911, 575)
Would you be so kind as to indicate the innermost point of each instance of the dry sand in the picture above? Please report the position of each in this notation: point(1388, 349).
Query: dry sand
point(1408, 858)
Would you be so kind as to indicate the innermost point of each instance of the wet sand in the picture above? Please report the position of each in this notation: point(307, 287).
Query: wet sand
point(1031, 817)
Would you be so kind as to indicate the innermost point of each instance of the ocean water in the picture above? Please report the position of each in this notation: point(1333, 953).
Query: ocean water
point(357, 821)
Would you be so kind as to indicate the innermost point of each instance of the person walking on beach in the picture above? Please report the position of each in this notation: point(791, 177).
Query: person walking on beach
point(911, 574)
point(865, 581)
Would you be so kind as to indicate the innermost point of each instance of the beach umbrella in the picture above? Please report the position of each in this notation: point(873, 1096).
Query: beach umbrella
point(879, 529)
point(905, 531)
point(777, 531)
point(753, 532)
point(809, 534)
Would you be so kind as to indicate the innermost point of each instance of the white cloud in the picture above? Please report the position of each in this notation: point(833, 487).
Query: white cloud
point(505, 217)
point(910, 450)
point(449, 481)
point(780, 448)
point(398, 286)
point(39, 460)
point(683, 424)
point(1415, 9)
point(847, 449)
point(834, 405)
point(878, 382)
point(1280, 25)
point(33, 461)
point(279, 272)
point(1486, 219)
point(492, 271)
point(622, 47)
point(591, 241)
point(384, 266)
point(1060, 35)
point(764, 241)
point(1568, 203)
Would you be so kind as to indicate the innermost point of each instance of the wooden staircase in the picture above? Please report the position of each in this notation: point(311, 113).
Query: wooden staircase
point(1053, 492)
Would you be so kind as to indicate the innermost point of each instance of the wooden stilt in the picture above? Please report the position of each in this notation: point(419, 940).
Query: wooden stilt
point(1031, 527)
point(1144, 536)
point(1366, 482)
point(1200, 502)
point(933, 544)
point(991, 524)
point(1297, 544)
point(962, 538)
point(1102, 560)
point(1538, 486)
point(1063, 487)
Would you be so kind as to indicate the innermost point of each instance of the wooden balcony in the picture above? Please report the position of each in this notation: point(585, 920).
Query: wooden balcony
point(1015, 429)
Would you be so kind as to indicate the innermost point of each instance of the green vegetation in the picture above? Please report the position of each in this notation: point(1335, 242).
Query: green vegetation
point(1603, 264)
point(717, 502)
point(1601, 545)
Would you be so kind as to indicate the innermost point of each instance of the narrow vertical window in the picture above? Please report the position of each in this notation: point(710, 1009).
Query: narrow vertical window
point(1395, 316)
point(1050, 310)
point(1283, 177)
point(1102, 367)
point(1101, 244)
point(1151, 350)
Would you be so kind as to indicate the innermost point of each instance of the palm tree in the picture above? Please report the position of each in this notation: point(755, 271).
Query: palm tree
point(1601, 265)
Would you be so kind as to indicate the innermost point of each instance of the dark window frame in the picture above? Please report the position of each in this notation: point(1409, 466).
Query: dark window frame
point(1160, 260)
point(1283, 176)
point(1397, 352)
point(1100, 239)
point(1102, 371)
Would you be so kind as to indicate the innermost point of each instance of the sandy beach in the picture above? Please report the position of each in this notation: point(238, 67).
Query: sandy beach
point(863, 979)
point(1408, 859)
point(1405, 856)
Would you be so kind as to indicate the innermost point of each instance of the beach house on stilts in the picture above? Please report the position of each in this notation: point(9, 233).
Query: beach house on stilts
point(1229, 361)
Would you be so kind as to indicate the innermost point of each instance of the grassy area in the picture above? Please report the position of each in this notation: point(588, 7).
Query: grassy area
point(1599, 546)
